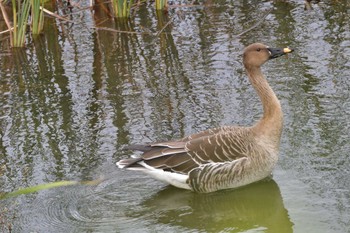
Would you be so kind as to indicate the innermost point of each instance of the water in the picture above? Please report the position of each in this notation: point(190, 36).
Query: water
point(75, 97)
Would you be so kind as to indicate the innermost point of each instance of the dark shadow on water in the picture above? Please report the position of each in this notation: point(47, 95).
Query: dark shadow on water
point(258, 206)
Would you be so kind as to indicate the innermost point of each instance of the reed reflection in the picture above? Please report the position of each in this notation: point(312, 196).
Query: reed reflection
point(257, 206)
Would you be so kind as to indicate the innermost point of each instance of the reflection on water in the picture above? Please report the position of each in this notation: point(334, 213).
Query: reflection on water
point(113, 206)
point(255, 207)
point(73, 100)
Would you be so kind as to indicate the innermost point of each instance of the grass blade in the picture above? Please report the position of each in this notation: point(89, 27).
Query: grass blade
point(40, 187)
point(37, 17)
point(20, 20)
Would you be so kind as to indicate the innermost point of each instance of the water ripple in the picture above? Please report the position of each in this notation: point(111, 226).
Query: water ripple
point(103, 207)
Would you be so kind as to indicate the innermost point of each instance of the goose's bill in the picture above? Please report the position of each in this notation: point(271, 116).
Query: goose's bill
point(277, 52)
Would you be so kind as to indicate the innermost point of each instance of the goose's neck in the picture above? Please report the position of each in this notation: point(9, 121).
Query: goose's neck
point(270, 125)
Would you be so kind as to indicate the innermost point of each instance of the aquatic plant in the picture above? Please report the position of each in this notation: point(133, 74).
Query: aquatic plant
point(37, 16)
point(161, 4)
point(40, 187)
point(21, 11)
point(20, 17)
point(32, 11)
point(122, 8)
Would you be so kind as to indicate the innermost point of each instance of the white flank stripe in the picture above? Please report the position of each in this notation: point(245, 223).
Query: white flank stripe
point(120, 165)
point(175, 179)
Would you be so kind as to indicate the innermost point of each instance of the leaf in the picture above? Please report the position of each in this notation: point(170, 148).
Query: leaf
point(40, 187)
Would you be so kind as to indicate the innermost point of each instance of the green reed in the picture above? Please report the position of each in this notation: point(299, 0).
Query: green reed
point(161, 4)
point(37, 16)
point(122, 8)
point(20, 20)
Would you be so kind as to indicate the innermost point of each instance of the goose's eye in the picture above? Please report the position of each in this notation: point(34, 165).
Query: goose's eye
point(259, 49)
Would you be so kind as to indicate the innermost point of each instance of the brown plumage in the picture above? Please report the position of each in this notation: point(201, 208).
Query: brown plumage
point(224, 157)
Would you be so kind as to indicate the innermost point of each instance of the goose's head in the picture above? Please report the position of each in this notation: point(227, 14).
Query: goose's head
point(257, 54)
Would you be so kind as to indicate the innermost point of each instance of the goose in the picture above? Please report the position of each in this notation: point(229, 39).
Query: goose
point(224, 157)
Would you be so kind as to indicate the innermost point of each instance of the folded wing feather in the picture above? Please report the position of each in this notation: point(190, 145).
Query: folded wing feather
point(210, 146)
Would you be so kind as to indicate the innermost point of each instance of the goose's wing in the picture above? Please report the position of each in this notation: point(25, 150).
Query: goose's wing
point(226, 144)
point(169, 156)
point(210, 146)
